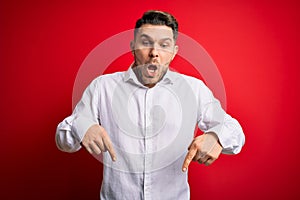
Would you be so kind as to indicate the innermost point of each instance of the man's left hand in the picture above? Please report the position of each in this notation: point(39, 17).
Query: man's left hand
point(205, 149)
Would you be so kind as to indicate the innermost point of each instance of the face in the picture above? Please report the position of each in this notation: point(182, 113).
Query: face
point(153, 49)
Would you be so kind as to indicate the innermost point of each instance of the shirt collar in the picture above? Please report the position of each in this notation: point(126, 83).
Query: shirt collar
point(168, 78)
point(130, 76)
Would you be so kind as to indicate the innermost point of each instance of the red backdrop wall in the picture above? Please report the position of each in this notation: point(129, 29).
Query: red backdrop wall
point(255, 45)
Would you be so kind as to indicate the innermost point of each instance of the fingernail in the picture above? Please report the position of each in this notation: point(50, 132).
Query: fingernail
point(183, 169)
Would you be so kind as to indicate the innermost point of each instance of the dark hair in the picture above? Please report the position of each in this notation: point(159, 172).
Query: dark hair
point(156, 17)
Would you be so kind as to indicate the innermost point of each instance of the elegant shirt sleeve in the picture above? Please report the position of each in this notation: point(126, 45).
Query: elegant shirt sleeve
point(71, 130)
point(212, 118)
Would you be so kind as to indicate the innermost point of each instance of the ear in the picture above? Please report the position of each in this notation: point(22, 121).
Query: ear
point(132, 48)
point(175, 51)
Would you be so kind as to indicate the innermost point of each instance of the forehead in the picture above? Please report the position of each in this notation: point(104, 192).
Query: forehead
point(155, 32)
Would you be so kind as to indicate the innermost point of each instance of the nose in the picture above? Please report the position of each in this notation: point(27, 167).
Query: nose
point(153, 52)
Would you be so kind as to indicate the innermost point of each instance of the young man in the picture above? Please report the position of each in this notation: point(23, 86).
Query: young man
point(142, 121)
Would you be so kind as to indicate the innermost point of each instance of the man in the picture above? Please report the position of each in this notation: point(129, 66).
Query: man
point(142, 121)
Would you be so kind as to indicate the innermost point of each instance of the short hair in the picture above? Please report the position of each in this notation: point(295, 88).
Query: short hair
point(156, 17)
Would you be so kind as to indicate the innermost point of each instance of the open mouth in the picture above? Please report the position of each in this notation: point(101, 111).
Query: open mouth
point(152, 70)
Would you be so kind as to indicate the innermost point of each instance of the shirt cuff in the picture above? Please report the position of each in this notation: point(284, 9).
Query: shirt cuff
point(225, 138)
point(80, 126)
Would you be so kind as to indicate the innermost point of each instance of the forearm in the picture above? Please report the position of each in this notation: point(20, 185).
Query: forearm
point(212, 118)
point(230, 135)
point(70, 131)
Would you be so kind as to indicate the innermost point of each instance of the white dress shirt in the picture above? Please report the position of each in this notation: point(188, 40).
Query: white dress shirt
point(150, 129)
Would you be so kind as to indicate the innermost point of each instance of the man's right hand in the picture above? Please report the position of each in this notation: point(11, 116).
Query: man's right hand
point(96, 140)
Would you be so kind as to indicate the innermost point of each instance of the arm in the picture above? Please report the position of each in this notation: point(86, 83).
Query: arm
point(82, 127)
point(222, 132)
point(70, 131)
point(227, 129)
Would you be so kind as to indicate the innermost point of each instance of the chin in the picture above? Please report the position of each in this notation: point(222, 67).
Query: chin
point(152, 81)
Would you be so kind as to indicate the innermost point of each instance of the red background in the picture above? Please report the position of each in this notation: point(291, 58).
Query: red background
point(255, 45)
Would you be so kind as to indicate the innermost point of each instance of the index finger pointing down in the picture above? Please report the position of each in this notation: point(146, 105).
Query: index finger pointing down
point(109, 148)
point(189, 157)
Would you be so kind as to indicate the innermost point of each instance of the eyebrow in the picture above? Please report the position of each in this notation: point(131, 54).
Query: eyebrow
point(148, 37)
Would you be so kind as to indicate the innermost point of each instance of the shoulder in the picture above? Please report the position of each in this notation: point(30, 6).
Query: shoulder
point(115, 75)
point(109, 78)
point(106, 81)
point(192, 81)
point(189, 83)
